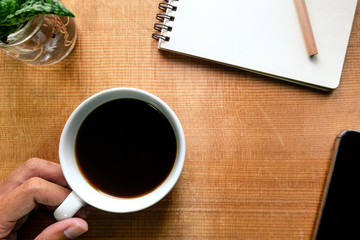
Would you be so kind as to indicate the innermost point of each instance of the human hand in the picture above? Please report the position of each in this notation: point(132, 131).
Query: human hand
point(35, 182)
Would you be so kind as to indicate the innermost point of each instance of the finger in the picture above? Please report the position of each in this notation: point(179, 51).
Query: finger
point(20, 222)
point(67, 229)
point(11, 236)
point(33, 167)
point(24, 198)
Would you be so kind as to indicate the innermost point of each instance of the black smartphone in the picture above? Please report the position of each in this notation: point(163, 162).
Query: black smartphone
point(339, 213)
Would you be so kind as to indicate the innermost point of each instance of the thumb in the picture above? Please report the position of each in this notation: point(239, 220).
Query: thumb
point(67, 229)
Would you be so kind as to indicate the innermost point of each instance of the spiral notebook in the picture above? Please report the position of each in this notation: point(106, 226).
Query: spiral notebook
point(262, 36)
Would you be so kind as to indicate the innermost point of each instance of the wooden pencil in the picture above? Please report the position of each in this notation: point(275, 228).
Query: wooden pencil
point(306, 27)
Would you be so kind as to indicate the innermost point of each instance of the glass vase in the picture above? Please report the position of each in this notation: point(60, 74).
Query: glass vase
point(43, 40)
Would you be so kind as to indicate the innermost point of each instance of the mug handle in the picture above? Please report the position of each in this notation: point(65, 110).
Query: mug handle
point(69, 207)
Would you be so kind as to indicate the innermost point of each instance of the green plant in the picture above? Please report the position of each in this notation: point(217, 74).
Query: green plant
point(14, 13)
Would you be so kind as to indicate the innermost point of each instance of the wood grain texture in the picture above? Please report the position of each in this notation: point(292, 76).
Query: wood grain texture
point(258, 149)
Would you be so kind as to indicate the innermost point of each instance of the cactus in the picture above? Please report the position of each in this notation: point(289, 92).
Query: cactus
point(14, 13)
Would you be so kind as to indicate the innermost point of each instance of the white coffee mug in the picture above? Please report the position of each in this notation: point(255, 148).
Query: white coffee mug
point(82, 192)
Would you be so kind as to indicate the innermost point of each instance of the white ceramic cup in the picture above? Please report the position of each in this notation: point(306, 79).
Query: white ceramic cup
point(82, 192)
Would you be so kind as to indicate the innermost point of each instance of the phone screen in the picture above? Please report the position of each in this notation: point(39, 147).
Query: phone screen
point(339, 212)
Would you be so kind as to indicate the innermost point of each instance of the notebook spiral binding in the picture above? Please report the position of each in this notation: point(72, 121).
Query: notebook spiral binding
point(162, 17)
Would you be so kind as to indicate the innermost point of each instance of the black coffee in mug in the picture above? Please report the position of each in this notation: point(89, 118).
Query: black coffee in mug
point(125, 148)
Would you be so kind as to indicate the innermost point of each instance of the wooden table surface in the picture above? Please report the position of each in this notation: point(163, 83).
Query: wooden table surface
point(258, 149)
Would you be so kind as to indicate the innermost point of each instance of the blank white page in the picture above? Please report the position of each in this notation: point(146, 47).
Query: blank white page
point(264, 36)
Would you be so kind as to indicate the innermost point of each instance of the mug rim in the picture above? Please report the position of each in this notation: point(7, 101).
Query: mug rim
point(79, 184)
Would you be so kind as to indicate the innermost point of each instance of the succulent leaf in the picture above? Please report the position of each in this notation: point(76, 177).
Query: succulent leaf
point(8, 6)
point(5, 31)
point(31, 8)
point(14, 13)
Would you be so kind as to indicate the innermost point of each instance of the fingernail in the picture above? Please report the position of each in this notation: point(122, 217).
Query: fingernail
point(75, 231)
